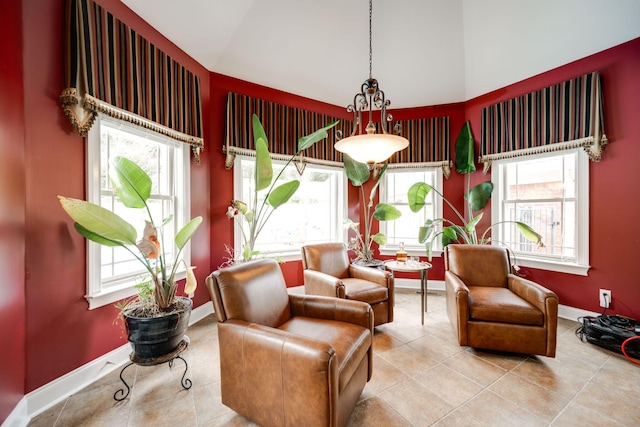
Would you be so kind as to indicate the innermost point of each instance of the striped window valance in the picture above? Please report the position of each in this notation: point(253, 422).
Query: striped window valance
point(283, 125)
point(563, 116)
point(111, 69)
point(428, 144)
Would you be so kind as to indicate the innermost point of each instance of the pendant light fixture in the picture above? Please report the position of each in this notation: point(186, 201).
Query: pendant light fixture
point(371, 147)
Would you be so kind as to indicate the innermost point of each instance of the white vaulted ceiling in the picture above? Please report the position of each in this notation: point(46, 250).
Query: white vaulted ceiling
point(425, 52)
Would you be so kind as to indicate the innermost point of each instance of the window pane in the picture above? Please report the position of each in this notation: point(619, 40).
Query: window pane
point(313, 214)
point(156, 159)
point(541, 193)
point(395, 187)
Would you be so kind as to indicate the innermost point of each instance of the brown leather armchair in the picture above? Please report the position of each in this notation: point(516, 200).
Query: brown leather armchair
point(294, 360)
point(490, 308)
point(327, 271)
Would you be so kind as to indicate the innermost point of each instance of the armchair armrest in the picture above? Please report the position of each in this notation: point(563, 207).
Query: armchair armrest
point(374, 275)
point(258, 361)
point(319, 307)
point(318, 283)
point(457, 297)
point(542, 298)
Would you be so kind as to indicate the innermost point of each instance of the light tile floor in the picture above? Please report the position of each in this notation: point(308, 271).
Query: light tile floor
point(421, 377)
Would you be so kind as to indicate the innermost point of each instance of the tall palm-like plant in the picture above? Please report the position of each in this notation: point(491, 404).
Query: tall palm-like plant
point(255, 219)
point(476, 199)
point(132, 185)
point(359, 173)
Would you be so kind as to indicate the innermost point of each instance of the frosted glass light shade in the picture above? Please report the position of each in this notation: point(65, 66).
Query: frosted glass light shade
point(371, 148)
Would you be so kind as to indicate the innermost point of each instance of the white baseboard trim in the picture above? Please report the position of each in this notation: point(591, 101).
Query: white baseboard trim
point(432, 285)
point(19, 417)
point(50, 394)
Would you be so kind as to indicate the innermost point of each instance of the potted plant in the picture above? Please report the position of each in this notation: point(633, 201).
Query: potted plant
point(252, 221)
point(359, 173)
point(476, 199)
point(156, 307)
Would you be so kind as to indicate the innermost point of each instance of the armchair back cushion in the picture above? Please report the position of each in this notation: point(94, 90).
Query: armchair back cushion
point(330, 258)
point(244, 294)
point(484, 266)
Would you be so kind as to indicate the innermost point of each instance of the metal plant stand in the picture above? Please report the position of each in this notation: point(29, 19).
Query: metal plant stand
point(167, 358)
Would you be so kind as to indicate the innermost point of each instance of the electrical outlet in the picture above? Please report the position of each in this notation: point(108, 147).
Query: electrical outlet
point(605, 298)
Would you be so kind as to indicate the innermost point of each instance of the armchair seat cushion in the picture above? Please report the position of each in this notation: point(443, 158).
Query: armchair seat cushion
point(495, 304)
point(364, 290)
point(350, 342)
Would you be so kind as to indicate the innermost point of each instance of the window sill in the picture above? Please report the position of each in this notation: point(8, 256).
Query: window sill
point(100, 299)
point(560, 267)
point(115, 294)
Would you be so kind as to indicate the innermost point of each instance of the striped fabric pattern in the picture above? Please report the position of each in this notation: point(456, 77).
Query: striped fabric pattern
point(284, 125)
point(428, 141)
point(569, 114)
point(110, 67)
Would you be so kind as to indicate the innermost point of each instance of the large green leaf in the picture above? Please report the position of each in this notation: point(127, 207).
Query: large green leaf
point(471, 225)
point(479, 196)
point(99, 221)
point(281, 194)
point(308, 140)
point(465, 154)
point(379, 238)
point(358, 173)
point(386, 212)
point(348, 223)
point(94, 237)
point(529, 233)
point(264, 169)
point(374, 190)
point(417, 195)
point(131, 184)
point(450, 233)
point(258, 130)
point(426, 231)
point(185, 233)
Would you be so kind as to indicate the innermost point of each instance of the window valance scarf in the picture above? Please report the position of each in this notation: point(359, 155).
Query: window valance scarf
point(111, 69)
point(563, 116)
point(284, 125)
point(428, 145)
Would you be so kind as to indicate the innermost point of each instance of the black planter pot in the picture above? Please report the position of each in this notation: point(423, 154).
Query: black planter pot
point(154, 337)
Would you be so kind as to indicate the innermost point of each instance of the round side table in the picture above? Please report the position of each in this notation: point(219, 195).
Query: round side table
point(422, 268)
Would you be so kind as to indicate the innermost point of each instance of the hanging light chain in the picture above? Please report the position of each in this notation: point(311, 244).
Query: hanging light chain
point(370, 45)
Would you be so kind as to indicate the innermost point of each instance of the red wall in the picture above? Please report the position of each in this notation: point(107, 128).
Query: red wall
point(61, 333)
point(614, 194)
point(12, 213)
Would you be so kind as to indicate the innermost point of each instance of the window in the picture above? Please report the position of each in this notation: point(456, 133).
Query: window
point(550, 193)
point(393, 190)
point(313, 214)
point(113, 272)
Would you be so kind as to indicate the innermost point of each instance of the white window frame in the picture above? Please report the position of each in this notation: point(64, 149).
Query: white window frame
point(413, 249)
point(581, 265)
point(96, 295)
point(295, 253)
